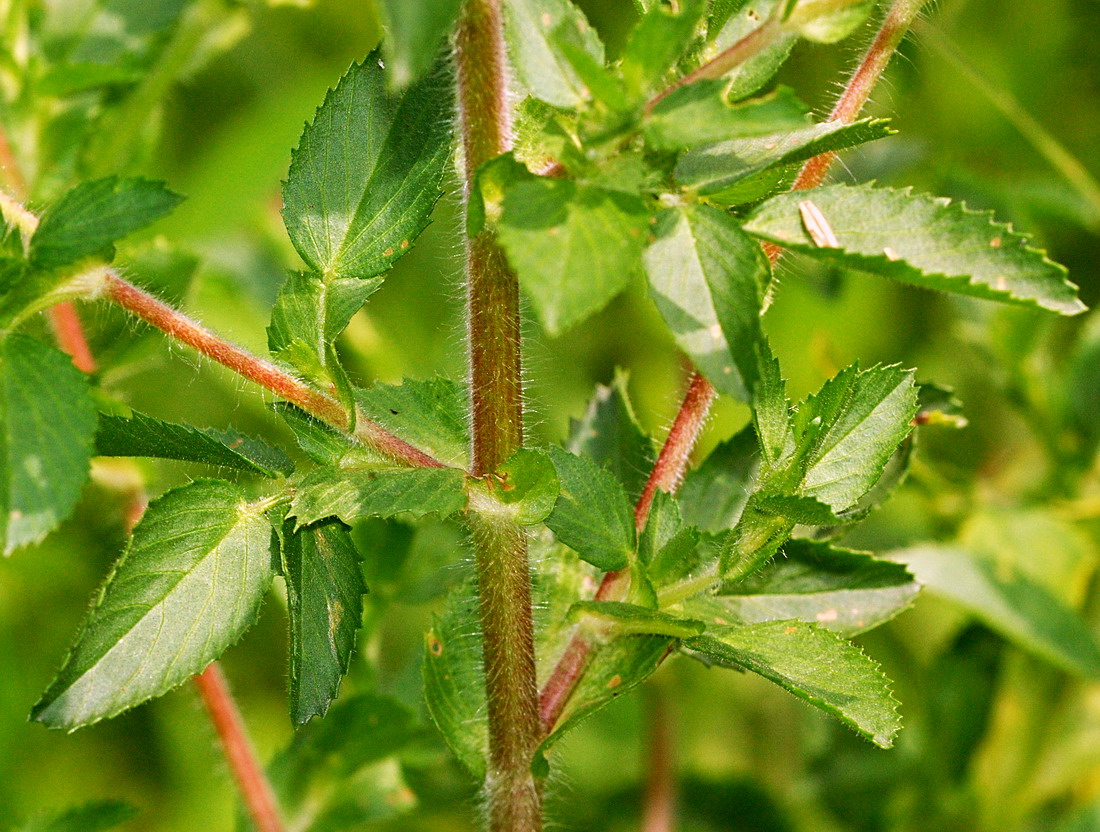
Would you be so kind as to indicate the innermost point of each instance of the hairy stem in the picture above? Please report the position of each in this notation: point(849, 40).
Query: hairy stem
point(178, 326)
point(253, 784)
point(65, 321)
point(675, 455)
point(496, 421)
point(755, 42)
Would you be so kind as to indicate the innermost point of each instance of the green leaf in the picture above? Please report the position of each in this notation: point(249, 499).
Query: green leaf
point(701, 114)
point(324, 589)
point(592, 515)
point(918, 239)
point(771, 413)
point(714, 494)
point(339, 772)
point(47, 423)
point(728, 26)
point(141, 435)
point(92, 817)
point(542, 67)
point(827, 21)
point(630, 619)
point(189, 584)
point(837, 589)
point(416, 32)
point(609, 434)
point(314, 312)
point(322, 443)
point(815, 665)
point(655, 45)
point(454, 679)
point(1024, 612)
point(430, 415)
point(617, 668)
point(707, 278)
point(524, 489)
point(93, 215)
point(377, 492)
point(847, 433)
point(744, 170)
point(554, 230)
point(366, 174)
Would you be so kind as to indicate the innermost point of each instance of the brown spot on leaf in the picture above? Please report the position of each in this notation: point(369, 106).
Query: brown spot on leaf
point(435, 646)
point(616, 680)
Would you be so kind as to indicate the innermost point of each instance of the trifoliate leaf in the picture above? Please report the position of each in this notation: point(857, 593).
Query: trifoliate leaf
point(187, 587)
point(917, 239)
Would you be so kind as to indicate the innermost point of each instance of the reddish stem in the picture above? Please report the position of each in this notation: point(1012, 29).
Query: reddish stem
point(253, 784)
point(178, 326)
point(673, 459)
point(70, 336)
point(10, 167)
point(660, 792)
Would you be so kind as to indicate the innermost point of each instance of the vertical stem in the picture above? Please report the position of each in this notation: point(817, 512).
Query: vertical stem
point(254, 786)
point(496, 421)
point(659, 813)
point(69, 332)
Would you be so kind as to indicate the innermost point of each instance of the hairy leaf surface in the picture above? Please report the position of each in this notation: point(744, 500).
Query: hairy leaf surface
point(815, 665)
point(430, 415)
point(919, 239)
point(189, 584)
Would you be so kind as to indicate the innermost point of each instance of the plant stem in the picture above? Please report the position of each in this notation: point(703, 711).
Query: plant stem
point(178, 326)
point(69, 332)
point(496, 421)
point(755, 42)
point(848, 107)
point(675, 454)
point(253, 784)
point(659, 813)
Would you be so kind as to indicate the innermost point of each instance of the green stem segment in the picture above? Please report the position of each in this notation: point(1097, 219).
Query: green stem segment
point(496, 421)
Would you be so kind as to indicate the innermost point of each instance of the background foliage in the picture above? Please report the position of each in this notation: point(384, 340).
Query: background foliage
point(994, 737)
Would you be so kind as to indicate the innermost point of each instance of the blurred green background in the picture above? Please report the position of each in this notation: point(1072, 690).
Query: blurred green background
point(997, 103)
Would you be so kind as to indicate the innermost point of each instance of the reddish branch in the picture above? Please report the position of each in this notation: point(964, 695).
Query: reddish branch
point(676, 452)
point(178, 326)
point(240, 755)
